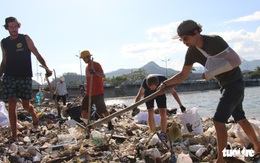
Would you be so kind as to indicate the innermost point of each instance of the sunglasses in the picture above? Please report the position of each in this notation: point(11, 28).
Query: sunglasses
point(186, 38)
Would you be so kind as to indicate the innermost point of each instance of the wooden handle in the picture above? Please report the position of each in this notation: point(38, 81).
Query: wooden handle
point(135, 105)
point(90, 90)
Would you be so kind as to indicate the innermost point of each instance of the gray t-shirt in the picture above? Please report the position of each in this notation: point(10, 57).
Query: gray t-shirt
point(212, 45)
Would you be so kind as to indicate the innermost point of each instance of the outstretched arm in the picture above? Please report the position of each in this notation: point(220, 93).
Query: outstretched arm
point(37, 54)
point(180, 77)
point(139, 94)
point(176, 96)
point(176, 79)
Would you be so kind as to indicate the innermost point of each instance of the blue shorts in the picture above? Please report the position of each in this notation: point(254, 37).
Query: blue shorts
point(19, 87)
point(160, 100)
point(230, 103)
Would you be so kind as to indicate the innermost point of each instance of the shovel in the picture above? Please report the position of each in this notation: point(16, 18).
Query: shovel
point(135, 105)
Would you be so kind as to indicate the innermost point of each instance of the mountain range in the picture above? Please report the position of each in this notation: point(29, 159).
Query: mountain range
point(153, 68)
point(150, 68)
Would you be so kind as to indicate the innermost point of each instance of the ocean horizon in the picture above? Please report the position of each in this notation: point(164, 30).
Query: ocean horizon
point(205, 101)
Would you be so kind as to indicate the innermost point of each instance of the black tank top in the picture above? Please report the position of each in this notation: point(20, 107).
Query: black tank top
point(18, 57)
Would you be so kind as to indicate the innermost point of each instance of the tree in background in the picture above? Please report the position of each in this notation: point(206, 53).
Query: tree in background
point(132, 78)
point(255, 74)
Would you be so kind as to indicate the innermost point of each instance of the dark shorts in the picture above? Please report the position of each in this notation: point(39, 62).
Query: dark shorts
point(99, 102)
point(19, 87)
point(230, 103)
point(160, 100)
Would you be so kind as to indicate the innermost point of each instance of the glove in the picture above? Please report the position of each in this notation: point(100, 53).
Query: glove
point(92, 71)
point(135, 111)
point(183, 109)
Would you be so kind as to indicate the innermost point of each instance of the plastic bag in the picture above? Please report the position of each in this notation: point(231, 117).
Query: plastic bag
point(239, 132)
point(184, 158)
point(191, 122)
point(4, 116)
point(142, 118)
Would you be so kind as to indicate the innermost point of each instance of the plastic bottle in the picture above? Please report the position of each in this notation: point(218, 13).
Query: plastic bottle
point(96, 137)
point(39, 97)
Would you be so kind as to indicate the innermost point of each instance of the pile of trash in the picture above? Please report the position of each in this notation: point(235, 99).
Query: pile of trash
point(66, 139)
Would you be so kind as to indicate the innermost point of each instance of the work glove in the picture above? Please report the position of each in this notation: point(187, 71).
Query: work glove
point(183, 109)
point(92, 71)
point(135, 111)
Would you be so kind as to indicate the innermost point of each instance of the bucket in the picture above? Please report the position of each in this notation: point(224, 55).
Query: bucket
point(75, 113)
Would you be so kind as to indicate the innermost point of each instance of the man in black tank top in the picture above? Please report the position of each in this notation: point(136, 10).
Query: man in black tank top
point(17, 70)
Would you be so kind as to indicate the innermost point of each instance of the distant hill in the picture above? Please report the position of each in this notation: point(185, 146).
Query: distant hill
point(249, 65)
point(153, 68)
point(150, 67)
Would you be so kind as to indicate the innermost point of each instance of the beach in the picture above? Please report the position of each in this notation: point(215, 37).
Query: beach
point(64, 140)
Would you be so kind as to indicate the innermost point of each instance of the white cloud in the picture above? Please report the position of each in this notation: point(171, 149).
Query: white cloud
point(163, 32)
point(253, 17)
point(246, 44)
point(160, 45)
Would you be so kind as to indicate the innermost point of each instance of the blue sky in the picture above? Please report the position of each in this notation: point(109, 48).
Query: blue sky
point(128, 33)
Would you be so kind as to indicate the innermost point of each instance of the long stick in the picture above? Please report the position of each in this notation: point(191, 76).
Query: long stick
point(47, 79)
point(135, 105)
point(52, 92)
point(90, 91)
point(56, 96)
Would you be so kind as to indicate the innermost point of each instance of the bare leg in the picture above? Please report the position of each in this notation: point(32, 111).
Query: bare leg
point(163, 119)
point(106, 114)
point(248, 129)
point(84, 114)
point(30, 109)
point(151, 120)
point(13, 116)
point(109, 123)
point(221, 132)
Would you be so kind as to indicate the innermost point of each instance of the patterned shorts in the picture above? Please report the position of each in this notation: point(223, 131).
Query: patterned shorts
point(19, 87)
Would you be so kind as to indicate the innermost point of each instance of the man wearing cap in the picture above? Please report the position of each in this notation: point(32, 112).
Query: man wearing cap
point(200, 49)
point(61, 91)
point(17, 70)
point(97, 88)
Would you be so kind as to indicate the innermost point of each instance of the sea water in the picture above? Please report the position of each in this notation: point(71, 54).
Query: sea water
point(205, 101)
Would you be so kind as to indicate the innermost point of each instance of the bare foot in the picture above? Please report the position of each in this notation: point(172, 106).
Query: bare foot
point(220, 161)
point(12, 140)
point(36, 123)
